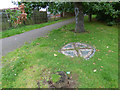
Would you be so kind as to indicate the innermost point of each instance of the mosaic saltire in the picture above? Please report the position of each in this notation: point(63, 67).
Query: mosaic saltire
point(78, 49)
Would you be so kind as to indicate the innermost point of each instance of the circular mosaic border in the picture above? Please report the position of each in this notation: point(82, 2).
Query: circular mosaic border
point(78, 49)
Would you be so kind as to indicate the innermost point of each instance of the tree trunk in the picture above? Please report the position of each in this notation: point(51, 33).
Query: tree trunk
point(10, 24)
point(79, 16)
point(61, 14)
point(90, 17)
point(24, 22)
point(55, 17)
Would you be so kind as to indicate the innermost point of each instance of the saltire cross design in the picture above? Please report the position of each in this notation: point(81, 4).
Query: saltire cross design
point(78, 49)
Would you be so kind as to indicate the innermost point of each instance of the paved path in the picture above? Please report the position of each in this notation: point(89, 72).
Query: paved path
point(11, 43)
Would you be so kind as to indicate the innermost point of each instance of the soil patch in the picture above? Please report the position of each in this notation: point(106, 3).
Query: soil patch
point(65, 81)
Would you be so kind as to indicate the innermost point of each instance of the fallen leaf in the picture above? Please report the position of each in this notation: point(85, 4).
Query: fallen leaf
point(107, 47)
point(101, 66)
point(99, 59)
point(94, 63)
point(37, 43)
point(94, 70)
point(109, 51)
point(112, 51)
point(97, 50)
point(55, 55)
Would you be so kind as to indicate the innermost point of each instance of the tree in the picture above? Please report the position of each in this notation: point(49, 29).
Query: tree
point(79, 16)
point(17, 16)
point(59, 7)
point(106, 11)
point(91, 10)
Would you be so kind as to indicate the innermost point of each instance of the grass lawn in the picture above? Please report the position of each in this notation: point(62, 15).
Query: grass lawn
point(22, 29)
point(0, 79)
point(34, 62)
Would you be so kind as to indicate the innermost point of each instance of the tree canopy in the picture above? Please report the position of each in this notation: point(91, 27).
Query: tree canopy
point(104, 11)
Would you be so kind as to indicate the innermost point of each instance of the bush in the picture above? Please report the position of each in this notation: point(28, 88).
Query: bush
point(107, 12)
point(111, 23)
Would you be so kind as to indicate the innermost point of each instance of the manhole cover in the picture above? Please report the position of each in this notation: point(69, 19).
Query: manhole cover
point(78, 49)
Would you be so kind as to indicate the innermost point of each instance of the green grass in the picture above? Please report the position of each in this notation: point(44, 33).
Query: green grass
point(25, 28)
point(0, 79)
point(31, 63)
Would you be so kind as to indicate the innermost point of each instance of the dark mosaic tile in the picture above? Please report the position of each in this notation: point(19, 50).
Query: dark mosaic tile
point(80, 45)
point(68, 46)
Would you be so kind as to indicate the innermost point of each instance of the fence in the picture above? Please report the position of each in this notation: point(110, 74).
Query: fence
point(39, 17)
point(5, 22)
point(36, 18)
